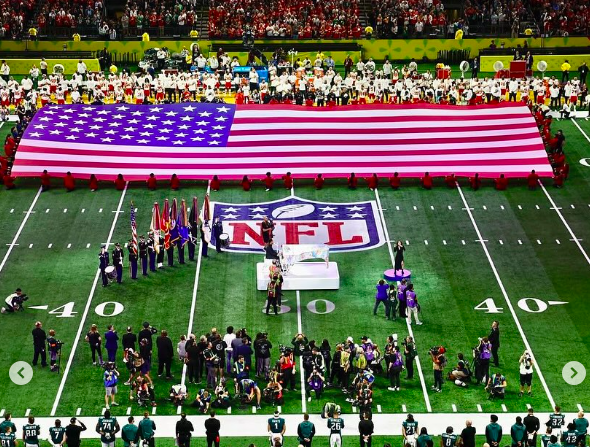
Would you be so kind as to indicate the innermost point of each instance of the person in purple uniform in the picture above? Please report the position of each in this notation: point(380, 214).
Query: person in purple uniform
point(381, 296)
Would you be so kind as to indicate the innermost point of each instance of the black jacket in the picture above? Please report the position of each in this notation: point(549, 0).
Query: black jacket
point(212, 427)
point(39, 337)
point(165, 349)
point(184, 429)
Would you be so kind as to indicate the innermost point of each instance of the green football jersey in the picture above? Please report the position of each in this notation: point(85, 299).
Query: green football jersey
point(5, 424)
point(410, 427)
point(570, 438)
point(57, 434)
point(335, 425)
point(276, 424)
point(31, 433)
point(545, 440)
point(449, 440)
point(7, 439)
point(556, 421)
point(107, 429)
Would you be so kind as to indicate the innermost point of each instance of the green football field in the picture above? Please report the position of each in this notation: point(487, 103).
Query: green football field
point(519, 257)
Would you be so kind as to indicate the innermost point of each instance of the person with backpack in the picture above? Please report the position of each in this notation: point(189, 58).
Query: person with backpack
point(396, 366)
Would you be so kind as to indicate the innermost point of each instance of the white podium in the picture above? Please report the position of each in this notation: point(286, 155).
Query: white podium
point(302, 276)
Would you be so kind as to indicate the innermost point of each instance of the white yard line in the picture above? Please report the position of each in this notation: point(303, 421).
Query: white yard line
point(580, 129)
point(571, 232)
point(409, 326)
point(191, 318)
point(506, 298)
point(301, 375)
point(64, 377)
point(20, 229)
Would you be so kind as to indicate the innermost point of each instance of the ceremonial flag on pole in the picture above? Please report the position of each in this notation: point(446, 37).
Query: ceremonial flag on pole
point(133, 230)
point(182, 223)
point(193, 219)
point(155, 226)
point(165, 225)
point(174, 236)
point(206, 210)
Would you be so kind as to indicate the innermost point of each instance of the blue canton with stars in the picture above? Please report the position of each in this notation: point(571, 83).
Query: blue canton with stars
point(183, 125)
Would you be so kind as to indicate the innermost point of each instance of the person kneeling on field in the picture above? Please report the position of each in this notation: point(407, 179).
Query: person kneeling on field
point(142, 392)
point(496, 386)
point(202, 401)
point(273, 393)
point(221, 395)
point(461, 374)
point(178, 394)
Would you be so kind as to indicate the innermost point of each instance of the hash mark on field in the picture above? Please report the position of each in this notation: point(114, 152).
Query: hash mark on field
point(228, 410)
point(573, 207)
point(87, 245)
point(135, 210)
point(432, 207)
point(415, 208)
point(519, 207)
point(450, 207)
point(397, 207)
point(463, 241)
point(444, 242)
point(580, 407)
point(128, 411)
point(378, 408)
point(69, 245)
point(100, 210)
point(479, 408)
point(12, 211)
point(407, 242)
point(279, 408)
point(557, 240)
point(501, 243)
point(504, 409)
point(27, 412)
point(539, 241)
point(65, 210)
point(404, 409)
point(103, 410)
point(78, 412)
point(2, 412)
point(425, 242)
point(519, 242)
point(179, 409)
point(50, 245)
point(83, 210)
point(353, 409)
point(47, 210)
point(454, 407)
point(30, 245)
point(538, 207)
point(485, 207)
point(153, 410)
point(253, 409)
point(117, 211)
point(556, 208)
point(501, 207)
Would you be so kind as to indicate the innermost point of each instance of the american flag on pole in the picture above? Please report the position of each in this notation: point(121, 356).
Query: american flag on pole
point(133, 229)
point(197, 140)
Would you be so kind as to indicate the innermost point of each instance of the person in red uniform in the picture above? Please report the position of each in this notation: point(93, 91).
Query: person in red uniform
point(3, 166)
point(501, 183)
point(451, 181)
point(532, 180)
point(475, 182)
point(288, 180)
point(395, 181)
point(246, 183)
point(565, 170)
point(9, 146)
point(69, 182)
point(120, 183)
point(8, 180)
point(45, 181)
point(373, 182)
point(93, 183)
point(215, 183)
point(268, 181)
point(558, 178)
point(352, 181)
point(152, 183)
point(174, 183)
point(426, 181)
point(318, 182)
point(557, 159)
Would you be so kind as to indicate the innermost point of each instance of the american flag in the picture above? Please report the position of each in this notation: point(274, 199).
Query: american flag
point(197, 140)
point(133, 229)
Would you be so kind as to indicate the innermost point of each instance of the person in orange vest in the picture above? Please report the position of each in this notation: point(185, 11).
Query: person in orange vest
point(426, 181)
point(152, 183)
point(352, 181)
point(501, 183)
point(174, 183)
point(215, 183)
point(318, 182)
point(558, 178)
point(532, 180)
point(372, 182)
point(8, 180)
point(451, 181)
point(475, 182)
point(268, 181)
point(288, 180)
point(395, 181)
point(45, 181)
point(69, 182)
point(93, 183)
point(120, 183)
point(246, 183)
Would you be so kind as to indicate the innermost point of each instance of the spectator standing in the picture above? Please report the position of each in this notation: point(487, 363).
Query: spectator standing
point(184, 430)
point(494, 339)
point(381, 296)
point(212, 426)
point(129, 339)
point(94, 339)
point(532, 425)
point(493, 432)
point(366, 428)
point(518, 433)
point(111, 343)
point(39, 338)
point(129, 432)
point(468, 435)
point(147, 429)
point(305, 431)
point(72, 436)
point(228, 338)
point(581, 424)
point(165, 354)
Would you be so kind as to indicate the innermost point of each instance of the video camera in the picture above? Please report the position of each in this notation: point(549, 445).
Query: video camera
point(18, 301)
point(436, 350)
point(285, 350)
point(394, 337)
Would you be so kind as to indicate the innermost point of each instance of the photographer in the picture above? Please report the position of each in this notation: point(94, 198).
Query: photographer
point(287, 365)
point(315, 383)
point(396, 365)
point(39, 339)
point(526, 364)
point(94, 339)
point(14, 302)
point(439, 361)
point(147, 332)
point(461, 374)
point(110, 378)
point(202, 400)
point(300, 344)
point(410, 353)
point(496, 386)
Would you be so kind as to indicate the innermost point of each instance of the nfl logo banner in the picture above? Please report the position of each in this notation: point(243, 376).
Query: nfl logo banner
point(342, 226)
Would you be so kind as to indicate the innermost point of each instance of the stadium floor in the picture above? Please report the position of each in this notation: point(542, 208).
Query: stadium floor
point(529, 260)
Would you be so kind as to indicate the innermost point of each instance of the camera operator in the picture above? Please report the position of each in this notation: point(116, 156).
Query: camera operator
point(287, 365)
point(54, 346)
point(496, 386)
point(461, 373)
point(526, 364)
point(110, 378)
point(262, 349)
point(439, 361)
point(39, 339)
point(484, 353)
point(147, 332)
point(14, 302)
point(410, 353)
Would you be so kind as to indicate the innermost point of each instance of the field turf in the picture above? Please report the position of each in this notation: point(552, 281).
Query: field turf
point(529, 260)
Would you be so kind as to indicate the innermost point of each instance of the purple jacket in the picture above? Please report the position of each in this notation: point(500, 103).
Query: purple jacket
point(381, 294)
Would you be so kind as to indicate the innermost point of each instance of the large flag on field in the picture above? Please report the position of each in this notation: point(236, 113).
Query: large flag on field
point(195, 140)
point(155, 226)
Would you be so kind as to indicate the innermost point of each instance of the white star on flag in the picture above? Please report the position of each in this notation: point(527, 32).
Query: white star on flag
point(258, 209)
point(231, 209)
point(137, 113)
point(218, 127)
point(223, 109)
point(40, 126)
point(111, 132)
point(55, 132)
point(201, 131)
point(327, 208)
point(183, 127)
point(202, 123)
point(216, 135)
point(126, 137)
point(118, 116)
point(95, 127)
point(171, 113)
point(181, 134)
point(71, 137)
point(152, 118)
point(122, 108)
point(230, 216)
point(256, 216)
point(214, 143)
point(354, 208)
point(60, 124)
point(91, 134)
point(84, 115)
point(44, 118)
point(100, 120)
point(130, 129)
point(221, 118)
point(35, 134)
point(328, 216)
point(197, 138)
point(168, 123)
point(75, 129)
point(143, 141)
point(50, 112)
point(102, 112)
point(149, 126)
point(357, 215)
point(162, 138)
point(186, 118)
point(165, 130)
point(189, 108)
point(205, 113)
point(145, 134)
point(65, 118)
point(80, 122)
point(107, 139)
point(133, 121)
point(176, 142)
point(156, 109)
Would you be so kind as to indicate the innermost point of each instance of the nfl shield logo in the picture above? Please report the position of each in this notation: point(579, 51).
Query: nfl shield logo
point(342, 226)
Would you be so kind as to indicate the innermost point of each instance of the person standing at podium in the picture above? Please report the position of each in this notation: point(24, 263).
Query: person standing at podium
point(399, 257)
point(266, 229)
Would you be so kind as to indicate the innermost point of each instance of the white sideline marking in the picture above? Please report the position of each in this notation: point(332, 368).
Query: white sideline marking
point(87, 245)
point(575, 239)
point(479, 408)
point(78, 412)
point(538, 242)
point(557, 240)
point(254, 409)
point(504, 409)
point(30, 245)
point(28, 412)
point(454, 407)
point(279, 408)
point(84, 315)
point(100, 210)
point(580, 407)
point(179, 409)
point(425, 242)
point(83, 210)
point(50, 245)
point(135, 211)
point(378, 409)
point(519, 242)
point(153, 408)
point(20, 229)
point(444, 242)
point(409, 327)
point(300, 331)
point(128, 411)
point(47, 210)
point(65, 210)
point(538, 207)
point(404, 409)
point(501, 243)
point(507, 299)
point(353, 409)
point(69, 245)
point(191, 317)
point(580, 129)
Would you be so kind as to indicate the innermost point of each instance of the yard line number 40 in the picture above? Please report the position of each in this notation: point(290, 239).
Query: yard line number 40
point(531, 305)
point(106, 309)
